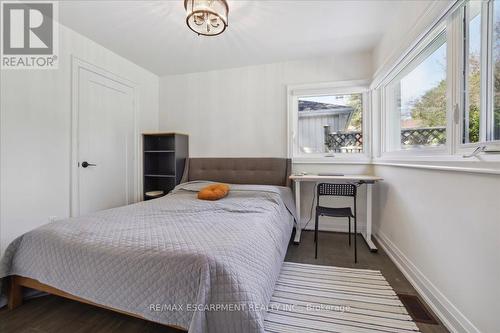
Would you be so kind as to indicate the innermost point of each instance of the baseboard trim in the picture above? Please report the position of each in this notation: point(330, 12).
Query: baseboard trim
point(448, 313)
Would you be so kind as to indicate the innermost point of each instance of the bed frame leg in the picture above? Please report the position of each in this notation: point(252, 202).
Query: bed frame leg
point(15, 293)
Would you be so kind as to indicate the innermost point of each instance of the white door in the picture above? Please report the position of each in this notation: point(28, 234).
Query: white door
point(105, 143)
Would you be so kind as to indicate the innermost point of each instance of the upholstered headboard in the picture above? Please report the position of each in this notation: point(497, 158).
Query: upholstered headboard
point(262, 171)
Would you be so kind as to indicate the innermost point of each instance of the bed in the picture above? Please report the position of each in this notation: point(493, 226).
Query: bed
point(191, 264)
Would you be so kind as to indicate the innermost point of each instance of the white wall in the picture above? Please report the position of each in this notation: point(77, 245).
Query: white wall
point(445, 228)
point(35, 133)
point(242, 111)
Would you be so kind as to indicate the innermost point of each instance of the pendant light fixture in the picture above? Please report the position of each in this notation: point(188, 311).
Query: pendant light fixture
point(207, 17)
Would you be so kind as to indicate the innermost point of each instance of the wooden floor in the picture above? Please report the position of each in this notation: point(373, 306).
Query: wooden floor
point(51, 314)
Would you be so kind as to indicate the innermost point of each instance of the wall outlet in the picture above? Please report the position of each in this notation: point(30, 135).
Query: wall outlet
point(53, 218)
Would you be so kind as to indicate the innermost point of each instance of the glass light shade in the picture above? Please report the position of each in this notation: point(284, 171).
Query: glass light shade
point(206, 17)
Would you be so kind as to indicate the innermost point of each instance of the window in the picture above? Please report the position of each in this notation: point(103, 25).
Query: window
point(416, 100)
point(443, 97)
point(326, 122)
point(330, 124)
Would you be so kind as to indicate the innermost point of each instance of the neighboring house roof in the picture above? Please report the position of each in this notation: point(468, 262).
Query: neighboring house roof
point(315, 109)
point(312, 106)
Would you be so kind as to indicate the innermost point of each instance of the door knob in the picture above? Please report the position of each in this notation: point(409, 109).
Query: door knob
point(86, 164)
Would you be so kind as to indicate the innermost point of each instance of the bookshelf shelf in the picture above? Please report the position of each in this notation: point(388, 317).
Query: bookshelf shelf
point(164, 159)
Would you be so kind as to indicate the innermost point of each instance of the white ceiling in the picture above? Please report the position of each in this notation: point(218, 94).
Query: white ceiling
point(153, 34)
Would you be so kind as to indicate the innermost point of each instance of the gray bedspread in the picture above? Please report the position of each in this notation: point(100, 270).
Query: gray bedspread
point(204, 266)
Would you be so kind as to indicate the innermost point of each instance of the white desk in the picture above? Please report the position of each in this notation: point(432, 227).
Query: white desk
point(360, 179)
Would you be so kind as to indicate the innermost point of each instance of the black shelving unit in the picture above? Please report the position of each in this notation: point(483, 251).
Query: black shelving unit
point(164, 159)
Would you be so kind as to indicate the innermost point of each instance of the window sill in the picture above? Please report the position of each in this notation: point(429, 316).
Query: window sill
point(439, 158)
point(445, 163)
point(482, 164)
point(332, 160)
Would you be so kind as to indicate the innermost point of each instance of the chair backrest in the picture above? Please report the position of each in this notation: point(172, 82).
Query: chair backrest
point(338, 190)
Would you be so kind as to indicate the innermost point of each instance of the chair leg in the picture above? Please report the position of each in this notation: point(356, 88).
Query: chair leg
point(316, 228)
point(349, 230)
point(316, 238)
point(355, 237)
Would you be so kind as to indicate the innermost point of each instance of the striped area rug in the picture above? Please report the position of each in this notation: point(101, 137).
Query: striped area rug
point(312, 298)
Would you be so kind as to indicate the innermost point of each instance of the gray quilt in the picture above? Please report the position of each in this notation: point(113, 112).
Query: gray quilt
point(204, 266)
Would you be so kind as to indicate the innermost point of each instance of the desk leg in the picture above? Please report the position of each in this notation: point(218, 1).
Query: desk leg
point(298, 226)
point(368, 233)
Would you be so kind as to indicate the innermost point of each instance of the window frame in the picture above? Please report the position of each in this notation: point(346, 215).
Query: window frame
point(294, 92)
point(419, 52)
point(463, 80)
point(487, 85)
point(452, 22)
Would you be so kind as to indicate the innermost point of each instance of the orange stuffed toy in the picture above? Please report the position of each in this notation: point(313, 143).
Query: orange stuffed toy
point(213, 192)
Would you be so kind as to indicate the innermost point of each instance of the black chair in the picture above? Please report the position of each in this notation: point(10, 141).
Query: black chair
point(337, 190)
